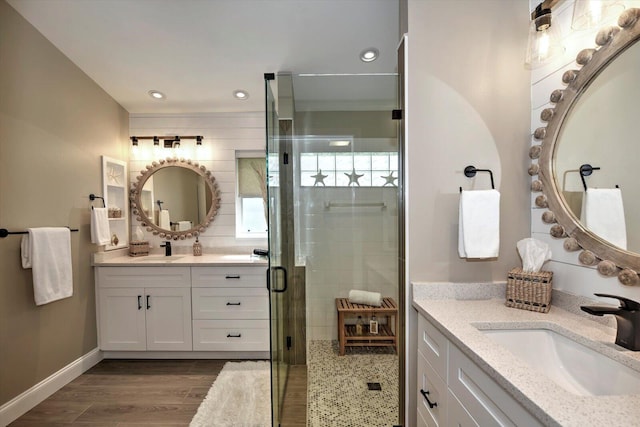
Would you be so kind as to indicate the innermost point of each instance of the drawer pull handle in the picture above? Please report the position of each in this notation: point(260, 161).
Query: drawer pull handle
point(425, 394)
point(139, 302)
point(148, 302)
point(234, 335)
point(235, 276)
point(234, 303)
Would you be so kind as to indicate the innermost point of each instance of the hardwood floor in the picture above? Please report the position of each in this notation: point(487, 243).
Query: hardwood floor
point(294, 411)
point(122, 393)
point(137, 393)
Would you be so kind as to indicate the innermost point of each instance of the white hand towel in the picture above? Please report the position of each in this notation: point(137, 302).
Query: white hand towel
point(365, 297)
point(184, 225)
point(603, 215)
point(479, 224)
point(47, 251)
point(164, 220)
point(100, 233)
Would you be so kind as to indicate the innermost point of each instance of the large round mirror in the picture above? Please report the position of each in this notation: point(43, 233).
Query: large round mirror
point(609, 145)
point(588, 143)
point(175, 199)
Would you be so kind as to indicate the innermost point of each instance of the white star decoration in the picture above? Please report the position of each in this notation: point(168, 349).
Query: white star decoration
point(390, 179)
point(354, 177)
point(113, 175)
point(319, 177)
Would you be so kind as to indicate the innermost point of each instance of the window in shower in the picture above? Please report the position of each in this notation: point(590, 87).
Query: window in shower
point(363, 169)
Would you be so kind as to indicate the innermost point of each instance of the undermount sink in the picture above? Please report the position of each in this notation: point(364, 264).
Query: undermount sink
point(158, 258)
point(573, 366)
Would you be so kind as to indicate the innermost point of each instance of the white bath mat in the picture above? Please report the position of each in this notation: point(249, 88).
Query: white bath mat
point(239, 397)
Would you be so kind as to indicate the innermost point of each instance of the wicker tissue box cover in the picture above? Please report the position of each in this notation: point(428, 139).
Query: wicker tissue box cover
point(138, 248)
point(529, 291)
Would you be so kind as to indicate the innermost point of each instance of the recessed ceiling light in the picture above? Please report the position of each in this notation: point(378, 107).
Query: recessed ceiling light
point(241, 94)
point(369, 55)
point(156, 94)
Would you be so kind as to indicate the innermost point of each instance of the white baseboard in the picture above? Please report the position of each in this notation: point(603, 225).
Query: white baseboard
point(26, 401)
point(247, 355)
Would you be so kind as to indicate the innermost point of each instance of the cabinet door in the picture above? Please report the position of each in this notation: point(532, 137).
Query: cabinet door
point(432, 394)
point(456, 414)
point(487, 402)
point(168, 316)
point(122, 319)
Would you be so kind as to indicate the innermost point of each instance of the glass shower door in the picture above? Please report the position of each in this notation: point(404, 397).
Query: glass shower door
point(277, 274)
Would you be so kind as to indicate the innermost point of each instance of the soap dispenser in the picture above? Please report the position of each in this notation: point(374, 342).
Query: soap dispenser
point(197, 248)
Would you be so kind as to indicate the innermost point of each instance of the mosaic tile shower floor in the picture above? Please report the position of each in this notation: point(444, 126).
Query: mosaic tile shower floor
point(338, 395)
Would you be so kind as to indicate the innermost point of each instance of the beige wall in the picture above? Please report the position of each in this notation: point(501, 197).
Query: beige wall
point(467, 103)
point(55, 123)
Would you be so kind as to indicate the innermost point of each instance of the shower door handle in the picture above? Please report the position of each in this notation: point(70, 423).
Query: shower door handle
point(284, 275)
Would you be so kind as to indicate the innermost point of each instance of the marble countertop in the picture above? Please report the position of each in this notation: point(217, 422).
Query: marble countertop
point(182, 260)
point(459, 321)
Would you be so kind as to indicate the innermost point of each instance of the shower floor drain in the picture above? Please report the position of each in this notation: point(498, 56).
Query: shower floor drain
point(374, 386)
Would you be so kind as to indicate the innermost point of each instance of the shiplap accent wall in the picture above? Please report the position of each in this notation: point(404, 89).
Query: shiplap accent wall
point(569, 274)
point(224, 133)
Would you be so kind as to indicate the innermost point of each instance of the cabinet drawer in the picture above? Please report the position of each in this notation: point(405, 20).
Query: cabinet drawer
point(155, 277)
point(230, 303)
point(484, 399)
point(227, 277)
point(431, 383)
point(236, 335)
point(434, 346)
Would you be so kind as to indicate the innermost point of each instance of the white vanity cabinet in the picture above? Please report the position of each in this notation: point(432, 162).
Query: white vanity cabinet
point(220, 311)
point(144, 308)
point(453, 390)
point(230, 309)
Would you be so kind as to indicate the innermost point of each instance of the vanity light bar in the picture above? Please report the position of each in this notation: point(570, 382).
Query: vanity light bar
point(169, 139)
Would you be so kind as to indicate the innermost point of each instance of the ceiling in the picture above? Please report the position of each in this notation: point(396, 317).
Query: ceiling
point(197, 52)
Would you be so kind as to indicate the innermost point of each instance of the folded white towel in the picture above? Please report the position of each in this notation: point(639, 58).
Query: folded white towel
point(603, 215)
point(47, 251)
point(184, 225)
point(479, 224)
point(365, 297)
point(100, 233)
point(164, 220)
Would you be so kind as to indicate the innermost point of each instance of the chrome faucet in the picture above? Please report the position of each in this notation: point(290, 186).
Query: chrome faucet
point(167, 248)
point(627, 317)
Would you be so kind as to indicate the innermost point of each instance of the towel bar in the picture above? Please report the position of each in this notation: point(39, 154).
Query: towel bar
point(329, 205)
point(4, 232)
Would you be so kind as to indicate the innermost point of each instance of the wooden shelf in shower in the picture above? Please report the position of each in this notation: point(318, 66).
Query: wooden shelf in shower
point(386, 336)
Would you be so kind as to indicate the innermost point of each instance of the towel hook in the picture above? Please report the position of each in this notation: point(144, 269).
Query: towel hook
point(470, 172)
point(92, 197)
